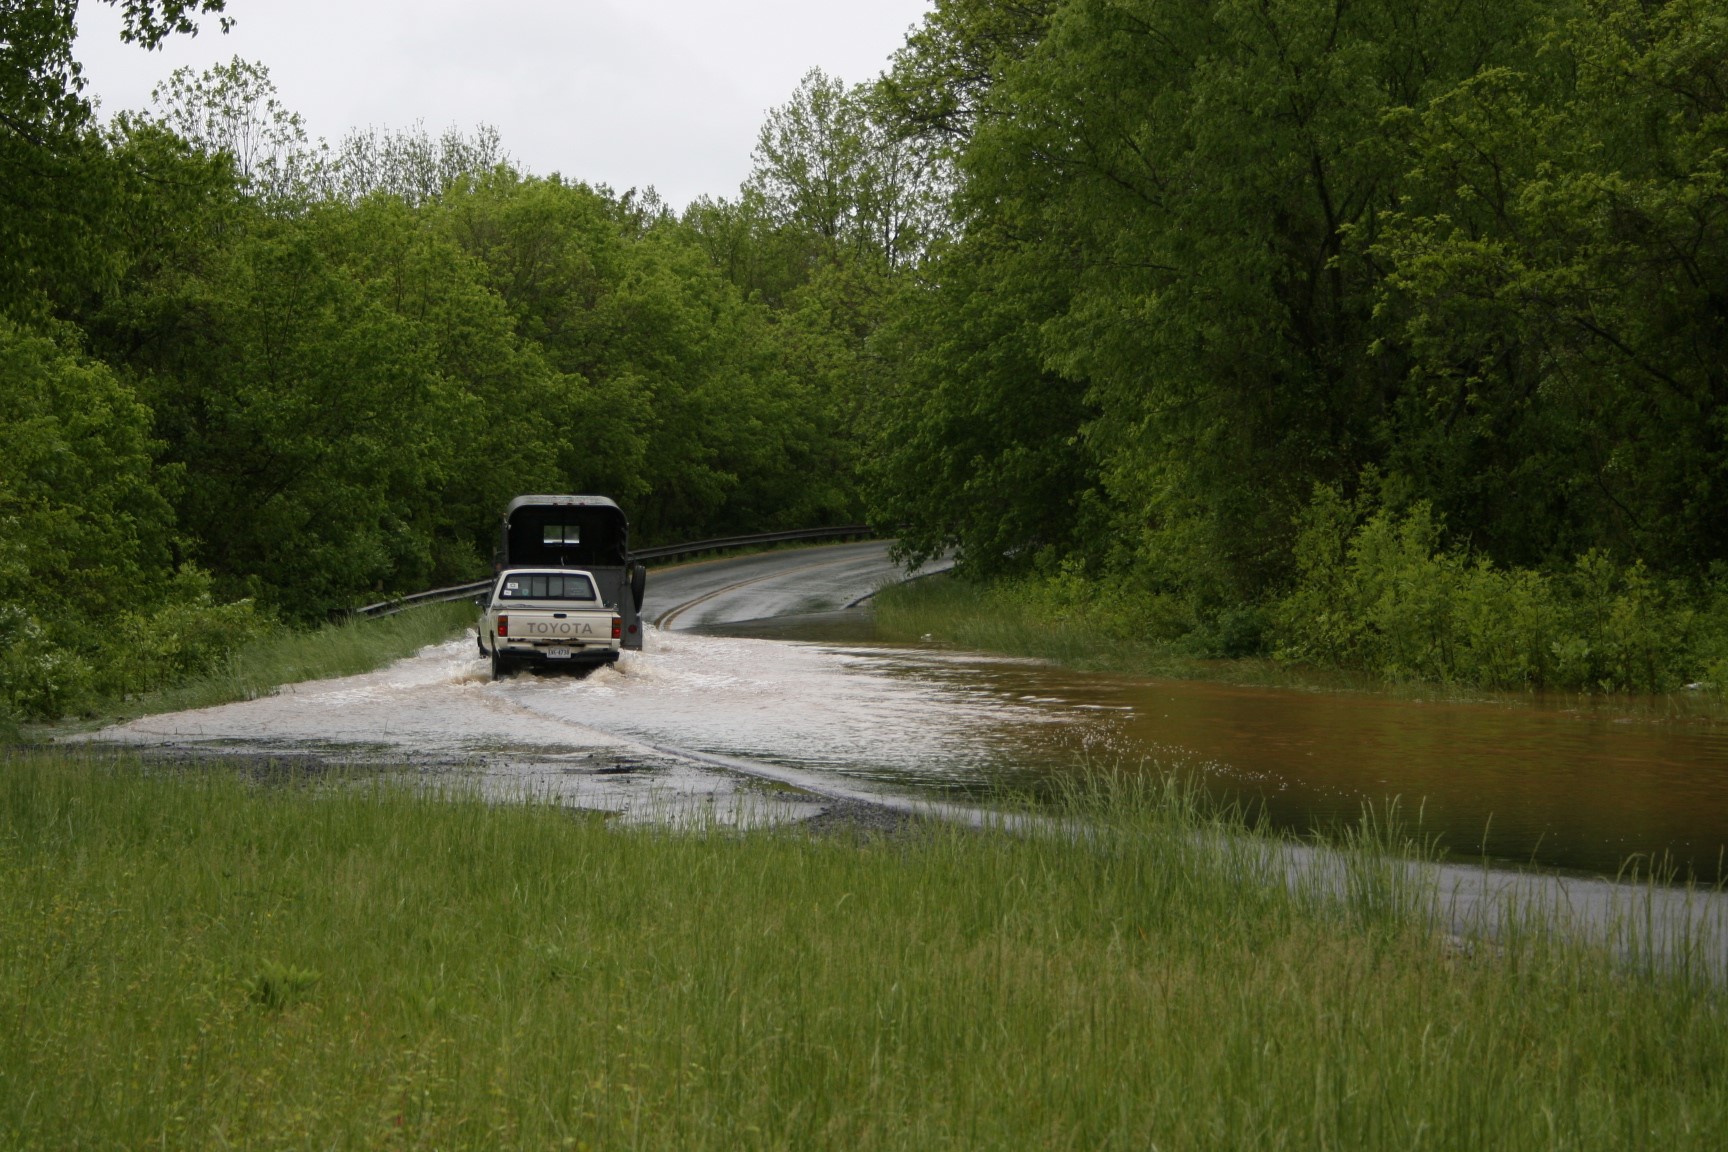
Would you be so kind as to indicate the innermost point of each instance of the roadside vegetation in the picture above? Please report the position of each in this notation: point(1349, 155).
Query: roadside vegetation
point(1094, 630)
point(266, 660)
point(1377, 605)
point(222, 957)
point(1383, 338)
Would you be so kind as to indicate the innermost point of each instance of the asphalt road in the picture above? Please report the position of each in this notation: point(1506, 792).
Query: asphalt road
point(713, 707)
point(770, 586)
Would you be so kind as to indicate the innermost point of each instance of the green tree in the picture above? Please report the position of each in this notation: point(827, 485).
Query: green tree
point(747, 243)
point(348, 400)
point(410, 163)
point(233, 110)
point(828, 164)
point(1560, 278)
point(975, 443)
point(58, 184)
point(86, 530)
point(941, 80)
point(1197, 187)
point(691, 413)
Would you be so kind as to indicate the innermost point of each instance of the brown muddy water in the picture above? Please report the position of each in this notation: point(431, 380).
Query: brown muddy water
point(1573, 789)
point(1585, 787)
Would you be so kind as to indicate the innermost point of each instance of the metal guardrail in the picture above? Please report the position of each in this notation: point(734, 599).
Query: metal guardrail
point(403, 603)
point(665, 552)
point(720, 544)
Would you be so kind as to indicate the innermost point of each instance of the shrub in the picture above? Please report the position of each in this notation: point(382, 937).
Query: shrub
point(1381, 592)
point(189, 636)
point(93, 600)
point(38, 678)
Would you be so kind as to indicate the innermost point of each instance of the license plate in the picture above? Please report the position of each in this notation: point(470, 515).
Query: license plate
point(557, 653)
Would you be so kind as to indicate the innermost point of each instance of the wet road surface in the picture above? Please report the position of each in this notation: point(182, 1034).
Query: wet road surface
point(717, 713)
point(639, 739)
point(770, 587)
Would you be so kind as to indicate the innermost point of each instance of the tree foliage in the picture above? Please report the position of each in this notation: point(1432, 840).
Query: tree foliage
point(1460, 261)
point(248, 377)
point(1471, 249)
point(828, 164)
point(1140, 293)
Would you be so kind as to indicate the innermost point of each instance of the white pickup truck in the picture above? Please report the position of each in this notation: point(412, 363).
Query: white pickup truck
point(551, 617)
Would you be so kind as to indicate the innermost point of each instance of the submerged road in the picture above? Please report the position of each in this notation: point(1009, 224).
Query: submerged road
point(666, 728)
point(721, 711)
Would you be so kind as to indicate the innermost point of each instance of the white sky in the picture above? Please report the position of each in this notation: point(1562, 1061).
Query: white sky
point(663, 92)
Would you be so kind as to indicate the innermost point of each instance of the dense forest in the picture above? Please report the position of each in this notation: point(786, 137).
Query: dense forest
point(1389, 334)
point(1380, 333)
point(246, 377)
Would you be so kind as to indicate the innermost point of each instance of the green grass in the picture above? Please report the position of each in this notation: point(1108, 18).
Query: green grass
point(195, 959)
point(993, 618)
point(289, 657)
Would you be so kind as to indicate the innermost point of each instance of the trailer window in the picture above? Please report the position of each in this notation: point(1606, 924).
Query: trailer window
point(570, 534)
point(546, 586)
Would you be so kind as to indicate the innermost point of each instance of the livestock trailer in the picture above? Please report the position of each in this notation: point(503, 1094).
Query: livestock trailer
point(586, 532)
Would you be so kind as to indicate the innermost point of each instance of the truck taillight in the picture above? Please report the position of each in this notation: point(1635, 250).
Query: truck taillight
point(617, 627)
point(503, 625)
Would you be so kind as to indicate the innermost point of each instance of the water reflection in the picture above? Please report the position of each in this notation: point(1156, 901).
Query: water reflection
point(1573, 788)
point(1566, 787)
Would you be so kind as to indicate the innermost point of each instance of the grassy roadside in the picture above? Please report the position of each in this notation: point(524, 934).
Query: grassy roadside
point(991, 619)
point(196, 960)
point(288, 657)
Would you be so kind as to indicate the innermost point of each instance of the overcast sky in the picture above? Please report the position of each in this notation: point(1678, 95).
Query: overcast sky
point(662, 92)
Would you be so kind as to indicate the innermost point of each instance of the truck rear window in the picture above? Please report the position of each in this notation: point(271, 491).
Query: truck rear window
point(546, 586)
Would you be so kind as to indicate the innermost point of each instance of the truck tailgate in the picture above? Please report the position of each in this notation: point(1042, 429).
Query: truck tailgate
point(542, 627)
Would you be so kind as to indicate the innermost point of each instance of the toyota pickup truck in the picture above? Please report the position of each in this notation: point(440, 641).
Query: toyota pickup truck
point(549, 617)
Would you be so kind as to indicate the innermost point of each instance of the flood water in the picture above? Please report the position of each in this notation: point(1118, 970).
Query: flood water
point(1574, 789)
point(1577, 788)
point(1563, 788)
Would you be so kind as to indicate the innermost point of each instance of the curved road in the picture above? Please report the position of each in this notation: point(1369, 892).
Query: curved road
point(770, 586)
point(686, 719)
point(710, 710)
